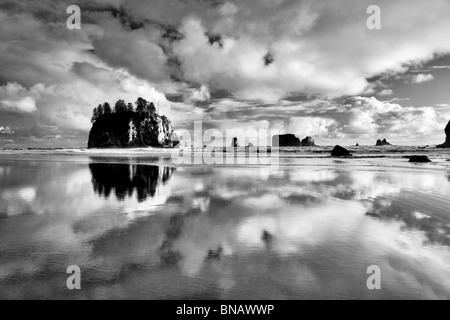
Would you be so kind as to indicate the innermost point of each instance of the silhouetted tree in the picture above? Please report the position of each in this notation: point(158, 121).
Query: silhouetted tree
point(106, 108)
point(141, 105)
point(120, 106)
point(130, 107)
point(100, 110)
point(151, 108)
point(94, 115)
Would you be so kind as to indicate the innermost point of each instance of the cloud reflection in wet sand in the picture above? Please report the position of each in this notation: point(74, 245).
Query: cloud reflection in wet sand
point(149, 232)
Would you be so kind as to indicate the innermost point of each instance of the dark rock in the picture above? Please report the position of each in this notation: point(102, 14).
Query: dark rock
point(357, 144)
point(383, 142)
point(215, 254)
point(339, 151)
point(266, 236)
point(308, 142)
point(234, 143)
point(419, 159)
point(170, 257)
point(132, 129)
point(446, 144)
point(285, 140)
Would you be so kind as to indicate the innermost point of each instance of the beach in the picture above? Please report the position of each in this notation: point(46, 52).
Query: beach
point(140, 227)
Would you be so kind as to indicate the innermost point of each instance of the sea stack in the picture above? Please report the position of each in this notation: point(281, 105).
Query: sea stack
point(131, 129)
point(234, 143)
point(285, 140)
point(339, 151)
point(383, 142)
point(446, 144)
point(308, 142)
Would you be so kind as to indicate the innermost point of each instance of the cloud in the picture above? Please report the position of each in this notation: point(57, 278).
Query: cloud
point(385, 92)
point(317, 56)
point(137, 51)
point(440, 67)
point(201, 94)
point(6, 130)
point(420, 78)
point(311, 126)
point(15, 98)
point(370, 117)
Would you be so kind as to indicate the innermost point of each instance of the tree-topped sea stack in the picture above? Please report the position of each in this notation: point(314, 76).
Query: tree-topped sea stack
point(127, 127)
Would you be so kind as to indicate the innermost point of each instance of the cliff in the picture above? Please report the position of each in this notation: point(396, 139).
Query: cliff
point(446, 144)
point(132, 129)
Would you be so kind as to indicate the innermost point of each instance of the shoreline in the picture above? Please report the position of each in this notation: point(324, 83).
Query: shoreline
point(296, 160)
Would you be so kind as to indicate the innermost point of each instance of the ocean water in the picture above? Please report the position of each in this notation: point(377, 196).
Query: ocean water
point(140, 227)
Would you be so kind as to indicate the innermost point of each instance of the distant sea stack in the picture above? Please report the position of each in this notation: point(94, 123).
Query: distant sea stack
point(127, 127)
point(235, 143)
point(308, 142)
point(383, 142)
point(285, 140)
point(446, 144)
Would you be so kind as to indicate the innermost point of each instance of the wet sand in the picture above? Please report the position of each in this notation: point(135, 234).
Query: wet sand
point(140, 228)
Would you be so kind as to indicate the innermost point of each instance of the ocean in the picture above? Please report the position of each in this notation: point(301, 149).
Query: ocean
point(307, 226)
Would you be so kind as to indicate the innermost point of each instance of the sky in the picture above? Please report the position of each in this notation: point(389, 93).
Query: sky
point(307, 67)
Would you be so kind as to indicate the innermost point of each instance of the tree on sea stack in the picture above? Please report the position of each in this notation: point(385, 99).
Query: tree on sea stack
point(141, 104)
point(95, 114)
point(106, 108)
point(120, 106)
point(130, 107)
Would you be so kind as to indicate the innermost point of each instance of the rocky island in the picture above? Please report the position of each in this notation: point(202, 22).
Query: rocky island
point(126, 126)
point(291, 140)
point(285, 140)
point(382, 143)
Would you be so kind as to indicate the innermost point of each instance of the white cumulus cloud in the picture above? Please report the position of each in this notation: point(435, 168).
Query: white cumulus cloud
point(420, 78)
